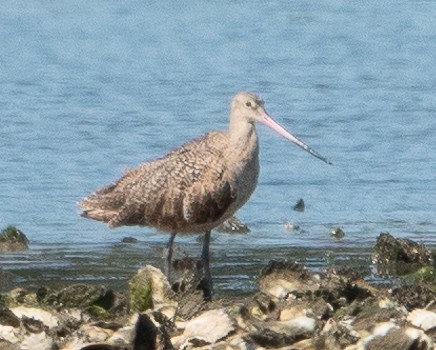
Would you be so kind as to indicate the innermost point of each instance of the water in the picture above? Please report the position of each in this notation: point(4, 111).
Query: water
point(88, 89)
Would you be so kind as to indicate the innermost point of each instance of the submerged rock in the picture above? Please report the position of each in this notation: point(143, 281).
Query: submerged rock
point(12, 239)
point(289, 226)
point(337, 233)
point(299, 206)
point(129, 240)
point(233, 225)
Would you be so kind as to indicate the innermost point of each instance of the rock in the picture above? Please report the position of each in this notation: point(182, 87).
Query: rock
point(233, 225)
point(420, 339)
point(298, 326)
point(318, 308)
point(81, 296)
point(69, 322)
point(9, 334)
point(364, 314)
point(190, 303)
point(414, 296)
point(340, 289)
point(94, 334)
point(102, 347)
point(148, 336)
point(113, 326)
point(39, 341)
point(33, 326)
point(148, 288)
point(289, 226)
point(12, 239)
point(6, 281)
point(292, 312)
point(208, 328)
point(8, 318)
point(284, 333)
point(263, 307)
point(426, 274)
point(388, 335)
point(399, 256)
point(45, 317)
point(423, 319)
point(5, 345)
point(335, 335)
point(129, 240)
point(337, 233)
point(124, 335)
point(331, 311)
point(240, 343)
point(280, 278)
point(21, 296)
point(299, 206)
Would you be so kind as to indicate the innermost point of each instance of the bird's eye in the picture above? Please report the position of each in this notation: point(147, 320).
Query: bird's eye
point(248, 104)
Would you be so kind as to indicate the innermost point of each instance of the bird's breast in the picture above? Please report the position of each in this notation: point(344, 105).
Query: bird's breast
point(246, 172)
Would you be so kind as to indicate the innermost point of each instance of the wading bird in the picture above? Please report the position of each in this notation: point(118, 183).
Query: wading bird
point(195, 187)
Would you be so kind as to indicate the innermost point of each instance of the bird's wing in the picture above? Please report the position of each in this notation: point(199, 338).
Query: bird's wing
point(190, 186)
point(196, 186)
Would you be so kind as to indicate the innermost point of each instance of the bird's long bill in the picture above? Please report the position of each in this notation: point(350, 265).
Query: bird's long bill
point(271, 123)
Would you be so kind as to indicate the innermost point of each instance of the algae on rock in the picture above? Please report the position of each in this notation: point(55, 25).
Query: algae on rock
point(12, 239)
point(147, 289)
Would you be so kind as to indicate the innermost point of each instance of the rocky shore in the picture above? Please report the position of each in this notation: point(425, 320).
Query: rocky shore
point(293, 308)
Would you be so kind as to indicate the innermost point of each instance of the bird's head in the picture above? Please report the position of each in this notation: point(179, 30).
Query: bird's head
point(248, 107)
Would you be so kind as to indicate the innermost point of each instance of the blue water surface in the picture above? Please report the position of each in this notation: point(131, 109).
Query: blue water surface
point(90, 88)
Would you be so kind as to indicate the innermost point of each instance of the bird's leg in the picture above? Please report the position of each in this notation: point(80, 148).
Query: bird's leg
point(206, 281)
point(168, 255)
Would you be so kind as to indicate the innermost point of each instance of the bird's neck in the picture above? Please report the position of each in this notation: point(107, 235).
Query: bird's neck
point(243, 139)
point(240, 133)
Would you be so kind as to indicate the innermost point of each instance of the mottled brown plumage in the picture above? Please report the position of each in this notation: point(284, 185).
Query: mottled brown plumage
point(193, 188)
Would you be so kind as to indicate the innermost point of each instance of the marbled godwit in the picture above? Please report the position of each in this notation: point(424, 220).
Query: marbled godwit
point(193, 188)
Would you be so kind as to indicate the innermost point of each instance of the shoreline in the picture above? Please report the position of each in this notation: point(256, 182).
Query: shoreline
point(291, 308)
point(283, 303)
